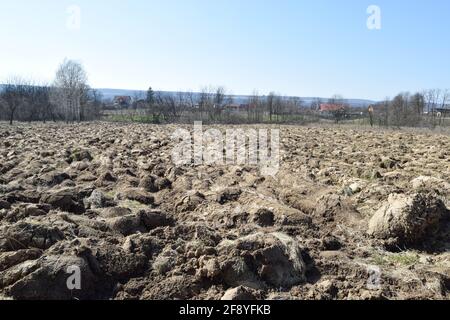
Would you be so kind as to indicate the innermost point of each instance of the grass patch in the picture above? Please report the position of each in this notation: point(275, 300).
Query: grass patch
point(404, 259)
point(378, 260)
point(110, 194)
point(132, 205)
point(397, 259)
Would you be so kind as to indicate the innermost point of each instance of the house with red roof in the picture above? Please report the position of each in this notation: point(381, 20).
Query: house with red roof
point(122, 101)
point(331, 107)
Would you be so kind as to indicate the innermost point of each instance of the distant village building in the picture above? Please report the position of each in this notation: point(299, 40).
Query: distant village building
point(443, 111)
point(330, 107)
point(122, 102)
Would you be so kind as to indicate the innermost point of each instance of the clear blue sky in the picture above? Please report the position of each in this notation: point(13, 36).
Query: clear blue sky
point(305, 48)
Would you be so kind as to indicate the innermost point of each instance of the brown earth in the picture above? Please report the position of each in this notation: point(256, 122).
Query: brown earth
point(351, 214)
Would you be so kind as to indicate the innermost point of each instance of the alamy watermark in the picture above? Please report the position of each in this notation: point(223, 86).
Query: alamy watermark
point(74, 280)
point(238, 147)
point(374, 280)
point(374, 19)
point(73, 21)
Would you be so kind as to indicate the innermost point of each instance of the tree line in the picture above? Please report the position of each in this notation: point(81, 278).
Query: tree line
point(69, 98)
point(214, 105)
point(412, 110)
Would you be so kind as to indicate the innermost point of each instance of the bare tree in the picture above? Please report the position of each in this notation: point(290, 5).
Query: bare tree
point(315, 104)
point(190, 100)
point(212, 101)
point(167, 106)
point(3, 107)
point(254, 112)
point(432, 98)
point(414, 109)
point(385, 111)
point(44, 110)
point(270, 102)
point(204, 101)
point(445, 98)
point(418, 103)
point(69, 87)
point(340, 111)
point(14, 96)
point(219, 102)
point(153, 105)
point(278, 107)
point(94, 105)
point(396, 110)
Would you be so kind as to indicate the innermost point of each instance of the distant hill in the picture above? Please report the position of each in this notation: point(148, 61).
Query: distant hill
point(109, 94)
